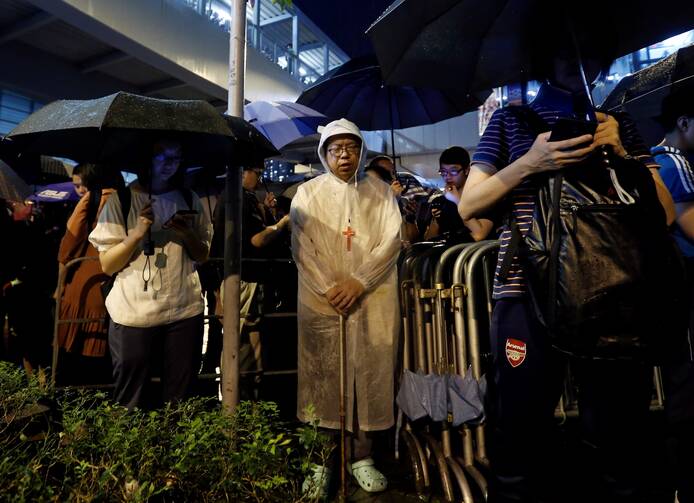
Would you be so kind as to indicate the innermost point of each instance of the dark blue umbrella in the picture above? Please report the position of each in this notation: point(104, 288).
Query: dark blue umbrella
point(356, 91)
point(282, 122)
point(55, 193)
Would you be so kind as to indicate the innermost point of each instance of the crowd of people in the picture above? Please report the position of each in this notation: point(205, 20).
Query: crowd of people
point(146, 273)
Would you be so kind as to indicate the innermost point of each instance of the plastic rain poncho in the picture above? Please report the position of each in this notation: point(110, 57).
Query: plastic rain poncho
point(323, 212)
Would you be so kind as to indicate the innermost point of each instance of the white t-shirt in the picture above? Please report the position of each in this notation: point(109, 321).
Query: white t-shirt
point(173, 290)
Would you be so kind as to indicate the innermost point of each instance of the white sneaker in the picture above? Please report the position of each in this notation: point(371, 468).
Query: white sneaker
point(368, 477)
point(316, 484)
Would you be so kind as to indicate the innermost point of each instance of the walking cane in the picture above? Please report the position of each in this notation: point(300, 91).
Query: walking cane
point(343, 386)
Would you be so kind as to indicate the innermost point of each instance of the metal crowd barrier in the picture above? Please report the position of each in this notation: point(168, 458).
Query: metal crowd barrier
point(440, 286)
point(446, 304)
point(55, 360)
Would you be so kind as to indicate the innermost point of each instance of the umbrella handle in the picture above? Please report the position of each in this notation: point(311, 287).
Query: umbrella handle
point(343, 387)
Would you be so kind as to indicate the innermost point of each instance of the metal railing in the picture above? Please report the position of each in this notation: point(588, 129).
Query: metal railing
point(58, 322)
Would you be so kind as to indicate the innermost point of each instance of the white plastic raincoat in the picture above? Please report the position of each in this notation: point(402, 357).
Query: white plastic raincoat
point(322, 211)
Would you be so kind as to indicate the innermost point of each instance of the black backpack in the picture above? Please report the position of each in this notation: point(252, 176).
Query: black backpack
point(604, 274)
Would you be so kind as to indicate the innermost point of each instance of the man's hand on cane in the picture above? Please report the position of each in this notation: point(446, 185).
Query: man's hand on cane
point(343, 295)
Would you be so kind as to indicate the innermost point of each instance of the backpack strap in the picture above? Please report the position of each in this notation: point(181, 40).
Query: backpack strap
point(532, 121)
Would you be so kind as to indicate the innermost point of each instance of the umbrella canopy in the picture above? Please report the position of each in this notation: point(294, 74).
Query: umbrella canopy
point(642, 93)
point(282, 121)
point(254, 147)
point(55, 193)
point(12, 187)
point(356, 91)
point(119, 130)
point(481, 44)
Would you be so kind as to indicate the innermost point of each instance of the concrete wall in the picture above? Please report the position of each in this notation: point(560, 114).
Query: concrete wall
point(175, 39)
point(45, 78)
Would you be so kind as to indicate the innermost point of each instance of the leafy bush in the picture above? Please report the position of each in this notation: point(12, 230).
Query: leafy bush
point(94, 450)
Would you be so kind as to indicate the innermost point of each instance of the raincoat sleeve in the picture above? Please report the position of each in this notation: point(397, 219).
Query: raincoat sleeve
point(110, 228)
point(306, 255)
point(382, 259)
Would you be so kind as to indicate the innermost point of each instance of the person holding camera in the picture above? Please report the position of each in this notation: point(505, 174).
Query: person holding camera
point(382, 168)
point(454, 166)
point(155, 303)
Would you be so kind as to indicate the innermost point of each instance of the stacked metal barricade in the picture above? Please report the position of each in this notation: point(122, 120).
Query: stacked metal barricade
point(446, 307)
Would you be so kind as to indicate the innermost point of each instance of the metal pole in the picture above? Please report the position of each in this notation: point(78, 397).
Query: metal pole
point(232, 213)
point(392, 126)
point(343, 400)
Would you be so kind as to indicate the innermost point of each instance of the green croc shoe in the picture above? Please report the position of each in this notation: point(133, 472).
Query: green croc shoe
point(316, 484)
point(368, 477)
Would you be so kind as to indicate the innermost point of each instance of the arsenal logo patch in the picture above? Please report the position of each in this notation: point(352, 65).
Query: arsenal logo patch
point(515, 352)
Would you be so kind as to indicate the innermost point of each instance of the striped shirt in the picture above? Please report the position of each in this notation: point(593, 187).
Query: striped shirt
point(678, 177)
point(505, 140)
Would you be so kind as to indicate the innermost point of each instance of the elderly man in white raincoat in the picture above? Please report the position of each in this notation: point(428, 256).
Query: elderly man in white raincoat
point(346, 242)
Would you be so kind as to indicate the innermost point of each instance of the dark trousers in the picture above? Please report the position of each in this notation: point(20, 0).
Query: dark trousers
point(679, 406)
point(175, 348)
point(527, 463)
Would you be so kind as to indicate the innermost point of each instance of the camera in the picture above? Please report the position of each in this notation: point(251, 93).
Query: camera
point(405, 182)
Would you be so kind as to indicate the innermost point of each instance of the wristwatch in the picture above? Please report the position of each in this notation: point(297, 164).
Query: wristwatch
point(274, 227)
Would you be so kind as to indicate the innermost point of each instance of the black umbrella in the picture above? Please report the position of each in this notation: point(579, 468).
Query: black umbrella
point(253, 146)
point(356, 91)
point(642, 93)
point(480, 44)
point(120, 129)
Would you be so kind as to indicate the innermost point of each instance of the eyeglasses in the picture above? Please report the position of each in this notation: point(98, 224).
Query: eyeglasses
point(338, 151)
point(167, 159)
point(452, 172)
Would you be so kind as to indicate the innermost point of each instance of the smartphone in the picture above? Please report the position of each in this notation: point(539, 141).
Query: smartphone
point(565, 129)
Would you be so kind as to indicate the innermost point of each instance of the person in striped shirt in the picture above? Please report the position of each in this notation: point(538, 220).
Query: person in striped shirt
point(527, 372)
point(677, 118)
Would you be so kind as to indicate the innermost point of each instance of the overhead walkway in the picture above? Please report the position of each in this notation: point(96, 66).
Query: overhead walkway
point(162, 48)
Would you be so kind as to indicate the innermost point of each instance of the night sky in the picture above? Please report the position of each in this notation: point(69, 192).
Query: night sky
point(345, 21)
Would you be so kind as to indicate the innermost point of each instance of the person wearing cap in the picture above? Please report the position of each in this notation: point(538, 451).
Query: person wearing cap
point(346, 242)
point(677, 119)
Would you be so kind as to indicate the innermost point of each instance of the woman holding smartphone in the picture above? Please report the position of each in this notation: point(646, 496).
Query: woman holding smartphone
point(156, 307)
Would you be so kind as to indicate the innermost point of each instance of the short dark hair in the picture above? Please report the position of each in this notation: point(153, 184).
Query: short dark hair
point(455, 155)
point(675, 105)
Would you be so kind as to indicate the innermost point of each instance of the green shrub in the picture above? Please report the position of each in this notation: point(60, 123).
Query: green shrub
point(94, 450)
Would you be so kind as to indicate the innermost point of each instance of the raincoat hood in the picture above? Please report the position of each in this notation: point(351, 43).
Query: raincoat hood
point(338, 127)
